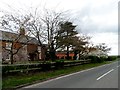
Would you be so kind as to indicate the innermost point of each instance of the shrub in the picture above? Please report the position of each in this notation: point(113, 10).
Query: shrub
point(46, 66)
point(102, 59)
point(93, 59)
point(59, 64)
point(7, 68)
point(111, 58)
point(96, 59)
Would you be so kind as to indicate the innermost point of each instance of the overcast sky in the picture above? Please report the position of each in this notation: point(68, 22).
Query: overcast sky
point(97, 18)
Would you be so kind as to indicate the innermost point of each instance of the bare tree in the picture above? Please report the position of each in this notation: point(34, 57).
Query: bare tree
point(103, 47)
point(35, 26)
point(12, 22)
point(51, 21)
point(44, 26)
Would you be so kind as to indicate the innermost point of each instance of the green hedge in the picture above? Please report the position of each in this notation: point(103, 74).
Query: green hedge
point(96, 59)
point(46, 66)
point(59, 64)
point(8, 68)
point(111, 58)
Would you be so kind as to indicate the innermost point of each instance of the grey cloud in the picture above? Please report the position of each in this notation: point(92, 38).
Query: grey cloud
point(88, 26)
point(99, 29)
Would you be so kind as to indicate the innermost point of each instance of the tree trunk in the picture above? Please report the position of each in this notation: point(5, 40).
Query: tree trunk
point(67, 53)
point(11, 58)
point(75, 54)
point(52, 52)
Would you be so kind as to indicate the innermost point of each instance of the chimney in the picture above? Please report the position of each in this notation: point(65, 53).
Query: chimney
point(22, 31)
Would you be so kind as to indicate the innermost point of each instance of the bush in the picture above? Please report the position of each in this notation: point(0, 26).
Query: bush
point(59, 64)
point(96, 59)
point(46, 66)
point(20, 68)
point(93, 59)
point(111, 58)
point(102, 59)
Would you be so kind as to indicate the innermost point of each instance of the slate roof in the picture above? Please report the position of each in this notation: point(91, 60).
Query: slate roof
point(9, 36)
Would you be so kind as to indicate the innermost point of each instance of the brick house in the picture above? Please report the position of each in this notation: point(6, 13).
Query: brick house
point(29, 47)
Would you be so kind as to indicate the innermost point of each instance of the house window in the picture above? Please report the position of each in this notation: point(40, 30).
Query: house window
point(8, 45)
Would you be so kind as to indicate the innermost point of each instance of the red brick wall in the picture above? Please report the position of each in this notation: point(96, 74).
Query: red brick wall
point(63, 55)
point(31, 48)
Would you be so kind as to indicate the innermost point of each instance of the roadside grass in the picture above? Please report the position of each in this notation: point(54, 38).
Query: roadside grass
point(27, 79)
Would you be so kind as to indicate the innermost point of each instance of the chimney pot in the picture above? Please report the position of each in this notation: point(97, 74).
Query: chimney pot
point(22, 31)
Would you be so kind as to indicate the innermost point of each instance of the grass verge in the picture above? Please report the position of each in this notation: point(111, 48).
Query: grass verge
point(27, 79)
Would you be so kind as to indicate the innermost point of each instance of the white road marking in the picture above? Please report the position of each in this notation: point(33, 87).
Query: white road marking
point(105, 74)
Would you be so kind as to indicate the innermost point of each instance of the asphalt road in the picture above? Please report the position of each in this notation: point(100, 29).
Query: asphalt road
point(105, 76)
